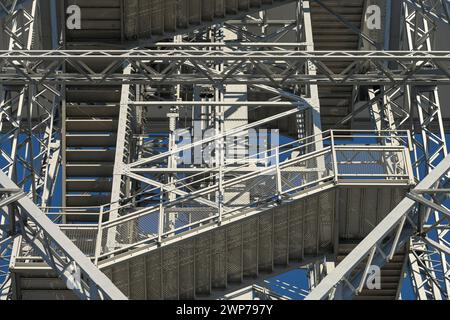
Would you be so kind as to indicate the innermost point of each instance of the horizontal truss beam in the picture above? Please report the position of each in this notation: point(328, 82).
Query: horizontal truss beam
point(271, 66)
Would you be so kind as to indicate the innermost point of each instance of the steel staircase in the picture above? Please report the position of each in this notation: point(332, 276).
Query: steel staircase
point(208, 262)
point(331, 34)
point(194, 261)
point(385, 246)
point(391, 274)
point(111, 21)
point(199, 257)
point(158, 19)
point(101, 22)
point(91, 123)
point(90, 116)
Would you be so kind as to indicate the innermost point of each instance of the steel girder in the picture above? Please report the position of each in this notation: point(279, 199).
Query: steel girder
point(60, 253)
point(96, 78)
point(393, 108)
point(29, 151)
point(429, 266)
point(270, 66)
point(237, 173)
point(30, 156)
point(438, 10)
point(393, 233)
point(8, 7)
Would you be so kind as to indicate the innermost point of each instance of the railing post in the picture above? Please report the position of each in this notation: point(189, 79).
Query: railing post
point(278, 173)
point(334, 157)
point(161, 216)
point(98, 243)
point(221, 196)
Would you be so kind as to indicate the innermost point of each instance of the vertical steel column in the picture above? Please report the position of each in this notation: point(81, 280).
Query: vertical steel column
point(122, 153)
point(430, 149)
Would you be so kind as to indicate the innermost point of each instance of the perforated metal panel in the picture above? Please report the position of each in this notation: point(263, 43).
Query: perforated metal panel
point(255, 245)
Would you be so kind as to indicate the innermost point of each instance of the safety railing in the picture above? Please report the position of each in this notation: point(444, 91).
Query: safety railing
point(213, 195)
point(392, 234)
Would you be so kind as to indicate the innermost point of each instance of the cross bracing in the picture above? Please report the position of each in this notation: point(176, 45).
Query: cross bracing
point(278, 66)
point(108, 119)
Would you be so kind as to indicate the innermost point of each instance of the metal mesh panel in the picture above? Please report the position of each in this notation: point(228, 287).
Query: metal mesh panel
point(326, 216)
point(250, 247)
point(154, 276)
point(266, 242)
point(120, 277)
point(298, 174)
point(354, 213)
point(203, 265)
point(386, 203)
point(238, 195)
point(310, 226)
point(371, 163)
point(170, 273)
point(218, 259)
point(295, 211)
point(234, 253)
point(369, 206)
point(137, 279)
point(280, 250)
point(130, 232)
point(190, 214)
point(186, 270)
point(84, 239)
point(261, 189)
point(27, 250)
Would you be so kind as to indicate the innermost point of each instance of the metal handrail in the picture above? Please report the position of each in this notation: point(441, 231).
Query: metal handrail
point(396, 134)
point(240, 179)
point(329, 138)
point(397, 227)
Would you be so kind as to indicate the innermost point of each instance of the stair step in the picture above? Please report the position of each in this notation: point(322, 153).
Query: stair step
point(93, 95)
point(90, 156)
point(93, 185)
point(89, 169)
point(82, 217)
point(48, 295)
point(376, 298)
point(91, 125)
point(87, 111)
point(74, 140)
point(87, 200)
point(379, 292)
point(41, 284)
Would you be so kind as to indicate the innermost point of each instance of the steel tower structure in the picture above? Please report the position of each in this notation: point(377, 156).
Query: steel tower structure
point(184, 149)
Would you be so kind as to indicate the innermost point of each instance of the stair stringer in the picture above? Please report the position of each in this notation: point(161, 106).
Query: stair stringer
point(213, 258)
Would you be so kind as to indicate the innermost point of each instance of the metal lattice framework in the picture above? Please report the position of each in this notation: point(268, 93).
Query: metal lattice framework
point(395, 231)
point(155, 202)
point(30, 156)
point(277, 66)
